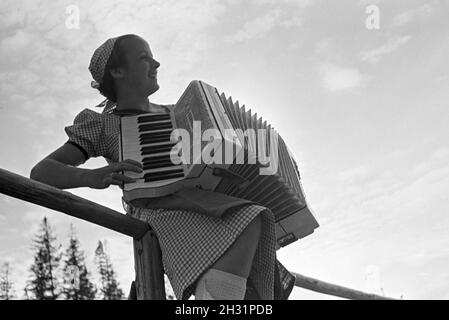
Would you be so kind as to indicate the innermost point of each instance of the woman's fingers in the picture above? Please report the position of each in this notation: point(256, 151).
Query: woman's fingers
point(127, 166)
point(121, 178)
point(112, 174)
point(118, 181)
point(136, 163)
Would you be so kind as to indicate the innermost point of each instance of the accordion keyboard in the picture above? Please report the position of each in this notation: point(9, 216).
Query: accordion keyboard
point(147, 140)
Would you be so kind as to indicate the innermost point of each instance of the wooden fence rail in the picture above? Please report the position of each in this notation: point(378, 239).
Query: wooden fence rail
point(147, 254)
point(333, 289)
point(50, 197)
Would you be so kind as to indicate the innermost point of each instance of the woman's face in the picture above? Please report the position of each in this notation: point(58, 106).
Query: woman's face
point(140, 72)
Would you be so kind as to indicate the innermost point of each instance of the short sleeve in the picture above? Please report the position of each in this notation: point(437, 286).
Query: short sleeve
point(87, 133)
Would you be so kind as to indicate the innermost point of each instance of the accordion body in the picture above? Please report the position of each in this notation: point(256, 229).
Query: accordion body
point(255, 162)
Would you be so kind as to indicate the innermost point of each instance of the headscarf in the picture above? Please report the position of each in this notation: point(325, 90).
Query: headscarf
point(99, 60)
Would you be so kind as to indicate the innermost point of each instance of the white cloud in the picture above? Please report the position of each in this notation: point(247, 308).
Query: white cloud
point(11, 18)
point(410, 15)
point(357, 174)
point(299, 3)
point(5, 200)
point(441, 153)
point(2, 220)
point(368, 2)
point(281, 15)
point(17, 87)
point(176, 30)
point(336, 78)
point(16, 44)
point(257, 28)
point(324, 46)
point(374, 55)
point(302, 3)
point(292, 22)
point(381, 218)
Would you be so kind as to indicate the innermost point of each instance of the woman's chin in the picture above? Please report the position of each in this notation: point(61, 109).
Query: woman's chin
point(153, 88)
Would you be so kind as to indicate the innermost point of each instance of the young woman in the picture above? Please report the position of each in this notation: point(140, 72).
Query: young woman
point(231, 256)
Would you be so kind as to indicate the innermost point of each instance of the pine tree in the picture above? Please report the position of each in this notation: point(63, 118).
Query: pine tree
point(44, 283)
point(6, 288)
point(109, 285)
point(76, 282)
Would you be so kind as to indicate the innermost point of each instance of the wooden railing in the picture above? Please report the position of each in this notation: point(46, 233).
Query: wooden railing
point(333, 289)
point(149, 282)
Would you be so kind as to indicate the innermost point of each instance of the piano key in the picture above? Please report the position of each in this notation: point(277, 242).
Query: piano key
point(152, 118)
point(164, 175)
point(158, 165)
point(154, 127)
point(156, 157)
point(157, 148)
point(155, 140)
point(155, 134)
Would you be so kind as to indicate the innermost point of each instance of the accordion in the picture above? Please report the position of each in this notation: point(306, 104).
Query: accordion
point(208, 141)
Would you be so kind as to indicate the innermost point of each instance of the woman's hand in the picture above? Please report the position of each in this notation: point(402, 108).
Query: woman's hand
point(102, 178)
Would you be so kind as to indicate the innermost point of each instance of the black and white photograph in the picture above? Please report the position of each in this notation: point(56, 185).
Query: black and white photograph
point(233, 150)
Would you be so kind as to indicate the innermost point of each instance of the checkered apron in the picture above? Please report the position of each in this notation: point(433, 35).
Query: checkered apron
point(191, 243)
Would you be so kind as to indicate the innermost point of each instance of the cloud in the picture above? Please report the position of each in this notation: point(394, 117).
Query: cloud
point(441, 153)
point(271, 25)
point(3, 220)
point(292, 22)
point(16, 46)
point(368, 2)
point(373, 56)
point(256, 28)
point(336, 78)
point(300, 3)
point(390, 219)
point(280, 16)
point(16, 43)
point(324, 47)
point(12, 18)
point(410, 15)
point(177, 30)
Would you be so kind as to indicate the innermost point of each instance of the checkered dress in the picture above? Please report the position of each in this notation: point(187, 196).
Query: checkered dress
point(190, 242)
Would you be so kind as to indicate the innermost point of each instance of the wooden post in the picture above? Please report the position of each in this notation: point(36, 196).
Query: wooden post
point(150, 284)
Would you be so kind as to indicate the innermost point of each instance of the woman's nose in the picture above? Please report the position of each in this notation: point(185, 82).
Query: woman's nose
point(156, 64)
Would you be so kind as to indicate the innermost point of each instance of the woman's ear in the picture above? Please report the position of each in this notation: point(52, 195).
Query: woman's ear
point(117, 73)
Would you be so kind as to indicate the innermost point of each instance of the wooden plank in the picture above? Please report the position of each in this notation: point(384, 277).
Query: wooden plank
point(150, 283)
point(19, 187)
point(333, 289)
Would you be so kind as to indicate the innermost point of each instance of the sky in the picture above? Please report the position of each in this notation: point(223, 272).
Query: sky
point(357, 89)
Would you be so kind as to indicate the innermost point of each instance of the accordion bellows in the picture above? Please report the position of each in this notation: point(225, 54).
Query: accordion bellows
point(153, 140)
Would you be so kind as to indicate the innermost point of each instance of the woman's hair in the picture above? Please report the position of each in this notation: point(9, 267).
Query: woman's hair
point(116, 59)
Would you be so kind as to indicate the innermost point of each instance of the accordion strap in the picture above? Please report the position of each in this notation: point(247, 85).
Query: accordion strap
point(233, 177)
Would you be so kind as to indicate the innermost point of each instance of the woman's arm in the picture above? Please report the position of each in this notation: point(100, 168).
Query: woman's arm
point(59, 169)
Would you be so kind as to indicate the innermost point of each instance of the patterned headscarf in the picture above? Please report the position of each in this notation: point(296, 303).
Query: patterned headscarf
point(99, 61)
